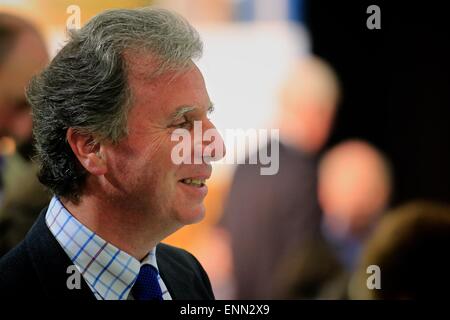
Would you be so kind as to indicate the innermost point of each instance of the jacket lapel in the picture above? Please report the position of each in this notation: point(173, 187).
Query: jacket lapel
point(51, 263)
point(178, 279)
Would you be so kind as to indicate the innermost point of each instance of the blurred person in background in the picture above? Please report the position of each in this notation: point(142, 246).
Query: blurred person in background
point(354, 188)
point(268, 216)
point(22, 54)
point(410, 248)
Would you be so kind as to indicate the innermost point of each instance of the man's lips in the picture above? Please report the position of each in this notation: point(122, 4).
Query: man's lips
point(196, 176)
point(195, 181)
point(195, 186)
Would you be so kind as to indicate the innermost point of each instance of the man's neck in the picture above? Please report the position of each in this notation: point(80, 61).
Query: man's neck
point(129, 230)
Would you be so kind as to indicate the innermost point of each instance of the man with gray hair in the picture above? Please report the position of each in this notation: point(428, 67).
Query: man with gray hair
point(104, 114)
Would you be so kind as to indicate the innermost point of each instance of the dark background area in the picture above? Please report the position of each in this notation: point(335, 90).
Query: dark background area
point(395, 85)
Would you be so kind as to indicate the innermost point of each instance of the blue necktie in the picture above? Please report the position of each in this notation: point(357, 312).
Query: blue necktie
point(147, 286)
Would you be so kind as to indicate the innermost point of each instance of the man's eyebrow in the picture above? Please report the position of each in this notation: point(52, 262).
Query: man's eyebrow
point(177, 114)
point(182, 110)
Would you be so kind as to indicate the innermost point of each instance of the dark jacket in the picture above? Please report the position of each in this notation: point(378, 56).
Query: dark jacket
point(37, 268)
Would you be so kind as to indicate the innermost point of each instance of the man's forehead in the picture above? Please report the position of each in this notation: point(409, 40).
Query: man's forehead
point(144, 65)
point(174, 93)
point(139, 64)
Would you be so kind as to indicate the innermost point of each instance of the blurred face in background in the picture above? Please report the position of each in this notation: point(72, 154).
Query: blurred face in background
point(27, 56)
point(354, 186)
point(311, 125)
point(309, 99)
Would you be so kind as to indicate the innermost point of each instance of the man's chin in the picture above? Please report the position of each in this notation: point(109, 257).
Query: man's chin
point(195, 214)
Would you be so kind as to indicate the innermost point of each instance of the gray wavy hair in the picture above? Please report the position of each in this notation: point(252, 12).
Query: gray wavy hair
point(85, 86)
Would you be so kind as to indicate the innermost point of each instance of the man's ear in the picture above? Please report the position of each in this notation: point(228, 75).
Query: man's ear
point(88, 153)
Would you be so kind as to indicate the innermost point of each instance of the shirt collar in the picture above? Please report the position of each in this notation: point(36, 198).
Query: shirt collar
point(109, 271)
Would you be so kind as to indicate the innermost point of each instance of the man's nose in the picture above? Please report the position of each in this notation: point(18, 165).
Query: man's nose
point(213, 144)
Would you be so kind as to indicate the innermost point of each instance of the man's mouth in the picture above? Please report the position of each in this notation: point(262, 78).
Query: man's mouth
point(194, 182)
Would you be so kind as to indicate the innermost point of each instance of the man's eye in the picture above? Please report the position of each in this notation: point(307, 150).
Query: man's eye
point(183, 123)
